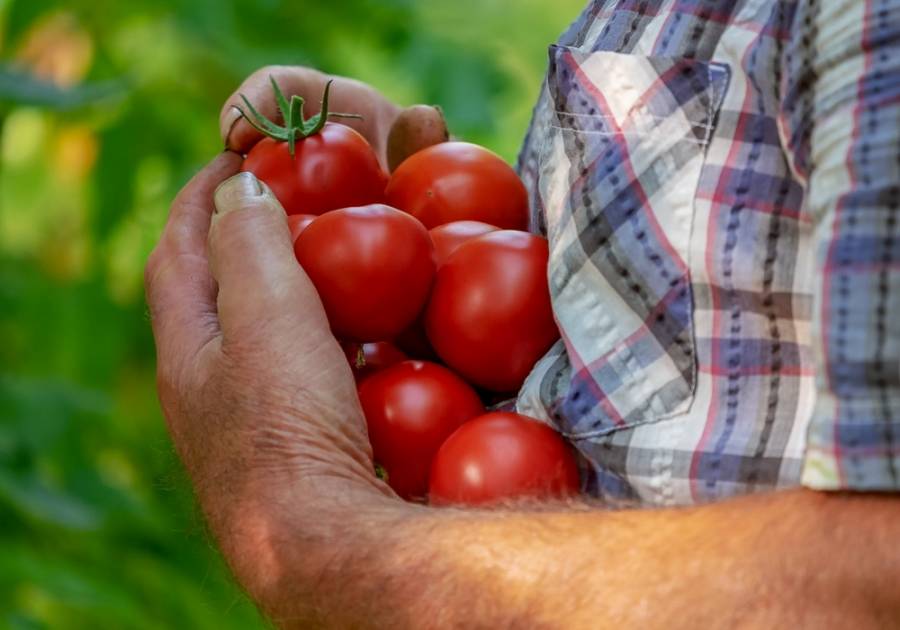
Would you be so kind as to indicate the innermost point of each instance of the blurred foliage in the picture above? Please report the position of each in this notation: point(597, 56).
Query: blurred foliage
point(106, 108)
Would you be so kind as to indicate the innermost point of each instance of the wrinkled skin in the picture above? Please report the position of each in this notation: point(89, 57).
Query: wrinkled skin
point(239, 326)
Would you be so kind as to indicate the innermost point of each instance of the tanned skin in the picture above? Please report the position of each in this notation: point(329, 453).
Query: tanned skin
point(262, 408)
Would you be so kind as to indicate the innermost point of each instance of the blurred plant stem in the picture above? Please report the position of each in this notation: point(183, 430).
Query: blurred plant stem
point(4, 113)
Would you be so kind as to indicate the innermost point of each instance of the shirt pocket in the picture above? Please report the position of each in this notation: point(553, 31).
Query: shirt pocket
point(618, 174)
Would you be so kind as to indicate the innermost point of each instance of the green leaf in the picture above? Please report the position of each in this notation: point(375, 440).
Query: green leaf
point(22, 88)
point(33, 498)
point(18, 621)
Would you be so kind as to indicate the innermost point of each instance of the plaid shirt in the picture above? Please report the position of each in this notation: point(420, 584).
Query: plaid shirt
point(720, 185)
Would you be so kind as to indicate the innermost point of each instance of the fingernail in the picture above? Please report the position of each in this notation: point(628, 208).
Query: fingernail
point(234, 191)
point(232, 116)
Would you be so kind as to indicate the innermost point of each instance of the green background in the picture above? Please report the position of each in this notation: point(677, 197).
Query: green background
point(106, 108)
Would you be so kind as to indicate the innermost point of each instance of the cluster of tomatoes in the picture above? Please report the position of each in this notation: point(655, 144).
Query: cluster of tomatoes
point(438, 295)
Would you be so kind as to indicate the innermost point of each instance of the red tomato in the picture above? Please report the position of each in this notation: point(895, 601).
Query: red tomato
point(448, 237)
point(298, 223)
point(367, 358)
point(334, 168)
point(489, 317)
point(501, 456)
point(458, 181)
point(410, 410)
point(373, 268)
point(414, 342)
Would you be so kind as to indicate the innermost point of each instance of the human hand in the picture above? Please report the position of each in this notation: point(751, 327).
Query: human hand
point(393, 132)
point(258, 395)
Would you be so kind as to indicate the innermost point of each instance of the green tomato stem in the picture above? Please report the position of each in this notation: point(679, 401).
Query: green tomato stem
point(296, 126)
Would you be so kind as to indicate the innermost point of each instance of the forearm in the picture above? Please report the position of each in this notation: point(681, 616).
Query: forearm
point(801, 557)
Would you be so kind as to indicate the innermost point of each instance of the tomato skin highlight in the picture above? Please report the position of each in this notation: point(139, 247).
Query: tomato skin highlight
point(489, 317)
point(448, 237)
point(458, 181)
point(372, 266)
point(297, 223)
point(367, 358)
point(335, 168)
point(410, 409)
point(502, 456)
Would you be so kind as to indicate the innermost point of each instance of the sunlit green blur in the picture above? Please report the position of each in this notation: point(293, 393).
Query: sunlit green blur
point(106, 108)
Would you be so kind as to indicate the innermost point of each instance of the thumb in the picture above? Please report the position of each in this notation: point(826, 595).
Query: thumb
point(252, 260)
point(414, 129)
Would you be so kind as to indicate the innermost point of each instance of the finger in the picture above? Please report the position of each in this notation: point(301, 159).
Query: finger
point(347, 96)
point(263, 292)
point(180, 290)
point(189, 216)
point(415, 128)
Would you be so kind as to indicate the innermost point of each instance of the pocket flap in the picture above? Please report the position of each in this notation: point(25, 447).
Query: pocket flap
point(650, 92)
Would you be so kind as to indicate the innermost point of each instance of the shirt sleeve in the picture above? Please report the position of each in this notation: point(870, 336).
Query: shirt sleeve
point(840, 121)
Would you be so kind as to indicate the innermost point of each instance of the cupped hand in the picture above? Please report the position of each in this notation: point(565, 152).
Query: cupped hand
point(259, 398)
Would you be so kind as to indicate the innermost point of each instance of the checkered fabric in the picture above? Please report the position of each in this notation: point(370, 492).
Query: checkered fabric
point(720, 185)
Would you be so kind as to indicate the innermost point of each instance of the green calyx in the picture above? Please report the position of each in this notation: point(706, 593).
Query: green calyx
point(360, 358)
point(295, 127)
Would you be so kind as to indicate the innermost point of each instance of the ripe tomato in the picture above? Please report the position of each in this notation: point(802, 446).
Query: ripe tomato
point(489, 317)
point(335, 168)
point(311, 165)
point(501, 456)
point(448, 237)
point(410, 410)
point(368, 358)
point(458, 181)
point(414, 342)
point(373, 268)
point(297, 223)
